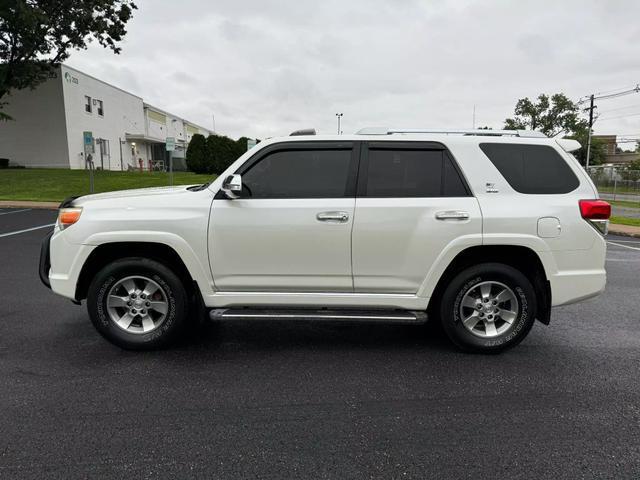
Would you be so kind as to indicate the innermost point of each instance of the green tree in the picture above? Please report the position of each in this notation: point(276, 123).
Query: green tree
point(552, 115)
point(196, 158)
point(37, 35)
point(598, 153)
point(549, 115)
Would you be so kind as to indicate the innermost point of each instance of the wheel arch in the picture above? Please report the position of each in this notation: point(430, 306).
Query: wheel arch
point(106, 253)
point(522, 258)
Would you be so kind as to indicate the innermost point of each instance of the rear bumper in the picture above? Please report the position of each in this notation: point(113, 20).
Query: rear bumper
point(579, 274)
point(572, 287)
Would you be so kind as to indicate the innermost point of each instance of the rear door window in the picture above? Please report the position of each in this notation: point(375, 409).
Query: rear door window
point(409, 171)
point(532, 169)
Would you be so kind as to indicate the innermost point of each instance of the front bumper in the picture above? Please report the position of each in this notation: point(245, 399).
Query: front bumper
point(45, 260)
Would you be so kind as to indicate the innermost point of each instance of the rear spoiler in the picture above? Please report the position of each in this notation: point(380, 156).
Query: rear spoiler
point(568, 144)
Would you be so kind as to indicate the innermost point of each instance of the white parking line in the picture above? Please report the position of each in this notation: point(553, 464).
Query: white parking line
point(38, 228)
point(16, 211)
point(623, 246)
point(628, 241)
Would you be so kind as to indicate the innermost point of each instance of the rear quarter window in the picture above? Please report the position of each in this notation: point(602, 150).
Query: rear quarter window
point(532, 169)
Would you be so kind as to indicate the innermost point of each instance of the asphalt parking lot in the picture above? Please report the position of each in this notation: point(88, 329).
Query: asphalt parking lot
point(307, 400)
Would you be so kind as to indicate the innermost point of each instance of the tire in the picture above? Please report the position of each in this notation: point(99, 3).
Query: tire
point(109, 297)
point(465, 300)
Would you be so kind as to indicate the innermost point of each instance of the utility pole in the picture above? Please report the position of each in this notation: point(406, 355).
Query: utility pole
point(591, 108)
point(474, 116)
point(339, 115)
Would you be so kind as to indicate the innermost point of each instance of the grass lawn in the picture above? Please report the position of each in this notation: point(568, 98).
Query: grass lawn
point(624, 203)
point(57, 184)
point(634, 222)
point(620, 189)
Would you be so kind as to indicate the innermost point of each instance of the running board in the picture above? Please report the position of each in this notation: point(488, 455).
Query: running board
point(379, 316)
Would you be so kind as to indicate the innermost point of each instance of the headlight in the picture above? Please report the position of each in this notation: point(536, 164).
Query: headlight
point(68, 216)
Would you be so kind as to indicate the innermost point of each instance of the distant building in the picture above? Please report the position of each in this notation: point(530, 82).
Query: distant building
point(613, 155)
point(609, 142)
point(50, 122)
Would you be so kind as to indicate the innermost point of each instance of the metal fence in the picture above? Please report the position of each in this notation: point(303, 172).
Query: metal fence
point(616, 183)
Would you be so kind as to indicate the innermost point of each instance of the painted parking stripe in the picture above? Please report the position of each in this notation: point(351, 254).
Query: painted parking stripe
point(16, 211)
point(629, 241)
point(624, 246)
point(38, 228)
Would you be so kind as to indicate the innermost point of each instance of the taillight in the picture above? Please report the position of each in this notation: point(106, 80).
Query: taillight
point(595, 209)
point(68, 216)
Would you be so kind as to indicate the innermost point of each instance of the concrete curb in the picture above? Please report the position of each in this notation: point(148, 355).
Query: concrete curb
point(25, 204)
point(624, 230)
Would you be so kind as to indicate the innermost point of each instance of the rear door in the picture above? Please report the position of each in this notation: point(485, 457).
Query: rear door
point(412, 201)
point(290, 229)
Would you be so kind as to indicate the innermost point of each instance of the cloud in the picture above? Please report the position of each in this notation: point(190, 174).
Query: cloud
point(268, 67)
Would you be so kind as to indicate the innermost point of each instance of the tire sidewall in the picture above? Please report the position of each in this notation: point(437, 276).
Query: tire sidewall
point(168, 281)
point(454, 293)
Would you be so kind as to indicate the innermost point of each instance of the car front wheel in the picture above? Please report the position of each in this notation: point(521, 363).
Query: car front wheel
point(137, 303)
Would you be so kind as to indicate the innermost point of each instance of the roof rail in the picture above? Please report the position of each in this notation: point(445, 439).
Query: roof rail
point(494, 133)
point(304, 131)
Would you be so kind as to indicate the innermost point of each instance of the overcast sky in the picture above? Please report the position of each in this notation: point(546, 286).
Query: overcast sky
point(265, 68)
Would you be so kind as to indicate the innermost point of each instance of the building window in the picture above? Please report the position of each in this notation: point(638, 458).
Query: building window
point(87, 104)
point(100, 109)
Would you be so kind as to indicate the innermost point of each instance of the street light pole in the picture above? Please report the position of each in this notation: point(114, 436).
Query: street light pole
point(339, 115)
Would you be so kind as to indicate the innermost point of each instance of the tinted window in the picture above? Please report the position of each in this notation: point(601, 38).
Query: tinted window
point(453, 185)
point(533, 169)
point(412, 173)
point(299, 174)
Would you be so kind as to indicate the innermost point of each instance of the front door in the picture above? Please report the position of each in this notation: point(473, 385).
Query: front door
point(290, 228)
point(412, 203)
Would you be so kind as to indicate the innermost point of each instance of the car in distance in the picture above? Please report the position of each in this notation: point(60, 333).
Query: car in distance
point(485, 231)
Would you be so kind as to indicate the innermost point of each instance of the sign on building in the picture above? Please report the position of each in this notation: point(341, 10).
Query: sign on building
point(251, 142)
point(170, 144)
point(88, 142)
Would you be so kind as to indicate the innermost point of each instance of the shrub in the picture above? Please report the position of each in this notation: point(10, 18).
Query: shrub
point(221, 151)
point(197, 154)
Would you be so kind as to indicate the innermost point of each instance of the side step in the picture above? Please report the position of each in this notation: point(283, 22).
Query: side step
point(379, 316)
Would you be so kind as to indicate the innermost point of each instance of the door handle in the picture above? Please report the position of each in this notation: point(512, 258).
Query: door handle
point(452, 215)
point(333, 217)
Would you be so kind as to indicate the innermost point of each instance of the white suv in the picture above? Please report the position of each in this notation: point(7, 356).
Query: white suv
point(483, 230)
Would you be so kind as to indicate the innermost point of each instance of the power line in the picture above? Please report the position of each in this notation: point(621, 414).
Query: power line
point(618, 116)
point(628, 87)
point(621, 108)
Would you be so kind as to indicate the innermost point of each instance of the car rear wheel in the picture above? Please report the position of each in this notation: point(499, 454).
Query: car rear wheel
point(488, 308)
point(138, 303)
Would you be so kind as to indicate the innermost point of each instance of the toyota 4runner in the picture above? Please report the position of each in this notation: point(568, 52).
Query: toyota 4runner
point(483, 230)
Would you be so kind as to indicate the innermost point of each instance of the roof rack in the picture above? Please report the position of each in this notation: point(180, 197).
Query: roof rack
point(494, 133)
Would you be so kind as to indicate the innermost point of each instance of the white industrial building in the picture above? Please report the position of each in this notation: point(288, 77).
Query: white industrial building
point(51, 123)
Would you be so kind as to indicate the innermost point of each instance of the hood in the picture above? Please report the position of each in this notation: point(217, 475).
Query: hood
point(138, 192)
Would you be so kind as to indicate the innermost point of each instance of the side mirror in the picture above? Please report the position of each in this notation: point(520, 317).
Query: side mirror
point(232, 185)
